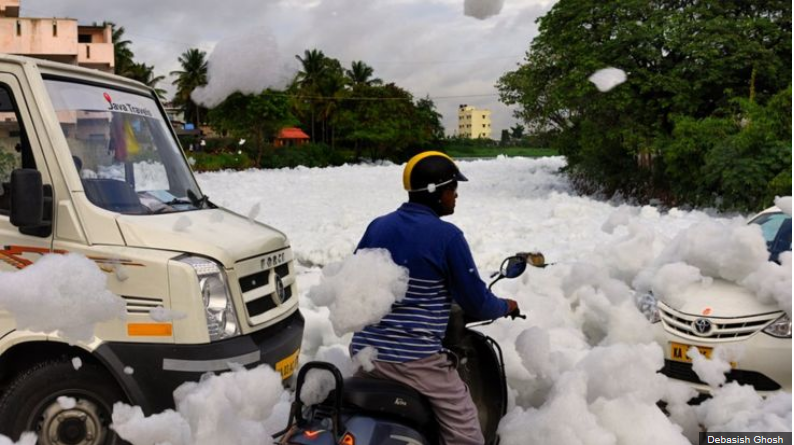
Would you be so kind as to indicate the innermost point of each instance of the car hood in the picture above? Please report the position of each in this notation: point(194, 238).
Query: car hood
point(720, 299)
point(215, 233)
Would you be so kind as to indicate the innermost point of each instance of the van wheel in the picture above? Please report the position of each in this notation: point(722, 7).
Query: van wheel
point(30, 403)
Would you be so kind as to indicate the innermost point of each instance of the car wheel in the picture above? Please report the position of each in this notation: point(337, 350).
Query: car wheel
point(30, 403)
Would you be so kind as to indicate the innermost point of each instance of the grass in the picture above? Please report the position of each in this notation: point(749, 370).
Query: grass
point(491, 152)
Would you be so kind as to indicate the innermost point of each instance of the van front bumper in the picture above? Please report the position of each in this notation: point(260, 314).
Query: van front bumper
point(149, 373)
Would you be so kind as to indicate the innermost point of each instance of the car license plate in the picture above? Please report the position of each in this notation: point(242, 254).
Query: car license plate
point(678, 352)
point(288, 365)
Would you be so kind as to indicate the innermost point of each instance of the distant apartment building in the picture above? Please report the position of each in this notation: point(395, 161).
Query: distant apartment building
point(474, 123)
point(58, 39)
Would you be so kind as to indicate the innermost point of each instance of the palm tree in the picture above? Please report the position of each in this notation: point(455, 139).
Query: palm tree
point(145, 74)
point(313, 66)
point(361, 74)
point(122, 53)
point(192, 75)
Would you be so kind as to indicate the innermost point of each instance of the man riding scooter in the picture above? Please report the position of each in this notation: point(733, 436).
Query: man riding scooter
point(408, 340)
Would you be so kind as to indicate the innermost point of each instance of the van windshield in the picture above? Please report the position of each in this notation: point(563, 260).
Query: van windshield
point(123, 150)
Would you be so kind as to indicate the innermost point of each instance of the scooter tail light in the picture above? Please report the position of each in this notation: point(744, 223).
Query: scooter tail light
point(312, 434)
point(348, 439)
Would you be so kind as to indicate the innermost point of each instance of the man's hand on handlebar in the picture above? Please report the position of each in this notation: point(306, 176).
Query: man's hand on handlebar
point(513, 310)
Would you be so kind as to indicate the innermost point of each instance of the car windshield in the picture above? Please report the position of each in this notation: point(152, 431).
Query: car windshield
point(123, 150)
point(776, 227)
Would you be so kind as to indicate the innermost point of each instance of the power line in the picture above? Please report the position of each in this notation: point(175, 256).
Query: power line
point(374, 99)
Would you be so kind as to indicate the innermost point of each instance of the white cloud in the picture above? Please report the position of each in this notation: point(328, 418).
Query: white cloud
point(428, 47)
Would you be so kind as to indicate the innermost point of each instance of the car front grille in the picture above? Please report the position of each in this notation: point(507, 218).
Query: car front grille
point(683, 371)
point(722, 328)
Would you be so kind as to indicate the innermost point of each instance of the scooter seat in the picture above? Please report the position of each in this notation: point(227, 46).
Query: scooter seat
point(388, 398)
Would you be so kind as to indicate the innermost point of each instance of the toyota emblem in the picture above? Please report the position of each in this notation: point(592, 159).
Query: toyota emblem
point(280, 292)
point(702, 326)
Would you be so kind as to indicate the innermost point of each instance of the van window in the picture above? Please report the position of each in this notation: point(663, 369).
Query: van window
point(14, 148)
point(123, 149)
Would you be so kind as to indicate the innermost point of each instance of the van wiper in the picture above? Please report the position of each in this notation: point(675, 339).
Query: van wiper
point(177, 201)
point(200, 203)
point(168, 206)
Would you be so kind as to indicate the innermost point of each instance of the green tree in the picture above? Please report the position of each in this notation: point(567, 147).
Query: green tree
point(517, 132)
point(361, 74)
point(122, 54)
point(257, 118)
point(307, 84)
point(385, 123)
point(145, 74)
point(684, 59)
point(192, 75)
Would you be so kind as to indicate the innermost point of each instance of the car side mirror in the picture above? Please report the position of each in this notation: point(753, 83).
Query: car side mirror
point(27, 198)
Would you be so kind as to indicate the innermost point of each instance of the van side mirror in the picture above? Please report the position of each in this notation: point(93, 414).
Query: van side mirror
point(27, 198)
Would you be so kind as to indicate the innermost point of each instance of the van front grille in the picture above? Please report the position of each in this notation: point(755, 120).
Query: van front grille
point(141, 305)
point(260, 286)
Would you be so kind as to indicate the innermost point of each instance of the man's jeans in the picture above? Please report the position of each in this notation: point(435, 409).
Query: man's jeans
point(437, 379)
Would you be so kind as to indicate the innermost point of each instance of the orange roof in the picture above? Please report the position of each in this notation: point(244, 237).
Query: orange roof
point(292, 133)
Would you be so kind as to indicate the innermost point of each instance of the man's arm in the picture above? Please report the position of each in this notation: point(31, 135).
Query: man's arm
point(468, 289)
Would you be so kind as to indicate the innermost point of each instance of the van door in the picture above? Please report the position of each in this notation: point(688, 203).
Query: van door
point(19, 148)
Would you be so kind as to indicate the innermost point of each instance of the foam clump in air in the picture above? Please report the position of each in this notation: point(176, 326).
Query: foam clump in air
point(162, 314)
point(360, 290)
point(607, 78)
point(248, 63)
point(65, 294)
point(784, 204)
point(482, 9)
point(182, 223)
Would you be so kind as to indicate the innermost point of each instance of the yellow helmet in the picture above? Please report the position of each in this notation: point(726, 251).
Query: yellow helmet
point(429, 170)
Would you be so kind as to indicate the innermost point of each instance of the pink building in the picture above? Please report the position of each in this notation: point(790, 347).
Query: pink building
point(59, 39)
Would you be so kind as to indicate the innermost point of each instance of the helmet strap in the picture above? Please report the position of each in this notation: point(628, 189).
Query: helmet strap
point(431, 188)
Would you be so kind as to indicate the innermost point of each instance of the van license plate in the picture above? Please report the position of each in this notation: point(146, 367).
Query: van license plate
point(288, 365)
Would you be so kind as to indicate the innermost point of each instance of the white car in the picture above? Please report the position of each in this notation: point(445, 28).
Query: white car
point(737, 317)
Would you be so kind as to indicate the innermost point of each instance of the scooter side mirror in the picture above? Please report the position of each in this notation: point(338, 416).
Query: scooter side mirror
point(513, 266)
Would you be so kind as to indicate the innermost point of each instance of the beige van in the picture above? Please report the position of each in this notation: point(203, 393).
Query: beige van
point(90, 164)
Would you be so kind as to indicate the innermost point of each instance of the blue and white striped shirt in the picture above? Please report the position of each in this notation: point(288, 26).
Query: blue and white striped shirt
point(441, 270)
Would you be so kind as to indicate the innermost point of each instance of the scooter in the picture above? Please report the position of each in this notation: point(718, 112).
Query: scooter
point(367, 411)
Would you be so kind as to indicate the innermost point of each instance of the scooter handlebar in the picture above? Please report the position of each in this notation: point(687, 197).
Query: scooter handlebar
point(516, 313)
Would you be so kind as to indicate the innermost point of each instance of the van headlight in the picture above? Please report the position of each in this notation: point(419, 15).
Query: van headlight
point(648, 305)
point(219, 310)
point(780, 328)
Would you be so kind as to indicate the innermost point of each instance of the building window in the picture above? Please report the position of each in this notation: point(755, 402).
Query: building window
point(54, 28)
point(88, 51)
point(84, 38)
point(19, 28)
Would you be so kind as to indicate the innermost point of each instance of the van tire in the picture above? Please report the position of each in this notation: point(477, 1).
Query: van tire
point(30, 403)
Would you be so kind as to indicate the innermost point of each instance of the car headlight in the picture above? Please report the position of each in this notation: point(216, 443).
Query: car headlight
point(780, 328)
point(219, 310)
point(648, 305)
